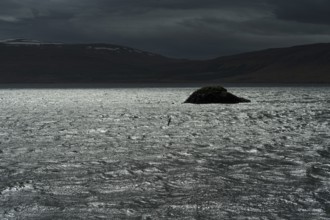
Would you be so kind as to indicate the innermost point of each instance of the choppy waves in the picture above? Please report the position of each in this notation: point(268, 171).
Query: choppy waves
point(112, 154)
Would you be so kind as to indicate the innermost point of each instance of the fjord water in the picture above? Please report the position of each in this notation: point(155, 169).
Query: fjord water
point(114, 154)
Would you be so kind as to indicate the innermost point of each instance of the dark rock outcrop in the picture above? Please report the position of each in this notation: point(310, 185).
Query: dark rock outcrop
point(214, 94)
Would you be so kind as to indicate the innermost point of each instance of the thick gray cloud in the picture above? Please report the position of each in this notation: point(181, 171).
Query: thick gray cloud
point(307, 11)
point(179, 28)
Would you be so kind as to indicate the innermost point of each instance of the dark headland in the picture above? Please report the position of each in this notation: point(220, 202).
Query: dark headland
point(23, 62)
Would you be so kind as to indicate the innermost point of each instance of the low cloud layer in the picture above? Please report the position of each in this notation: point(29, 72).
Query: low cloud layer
point(177, 28)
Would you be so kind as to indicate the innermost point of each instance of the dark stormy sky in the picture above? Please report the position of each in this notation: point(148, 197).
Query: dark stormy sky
point(177, 28)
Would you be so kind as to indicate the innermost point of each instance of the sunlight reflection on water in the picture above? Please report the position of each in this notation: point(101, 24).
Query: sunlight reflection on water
point(109, 153)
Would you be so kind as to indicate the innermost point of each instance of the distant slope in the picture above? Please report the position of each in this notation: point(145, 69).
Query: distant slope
point(24, 61)
point(299, 64)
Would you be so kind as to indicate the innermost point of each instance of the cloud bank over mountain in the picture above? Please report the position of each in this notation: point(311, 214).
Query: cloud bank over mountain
point(177, 28)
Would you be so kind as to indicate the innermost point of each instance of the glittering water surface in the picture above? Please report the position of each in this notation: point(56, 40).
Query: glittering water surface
point(110, 154)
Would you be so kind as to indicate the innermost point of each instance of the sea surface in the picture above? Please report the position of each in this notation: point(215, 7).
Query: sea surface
point(143, 154)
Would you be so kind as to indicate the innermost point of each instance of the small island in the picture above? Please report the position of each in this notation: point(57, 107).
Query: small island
point(213, 95)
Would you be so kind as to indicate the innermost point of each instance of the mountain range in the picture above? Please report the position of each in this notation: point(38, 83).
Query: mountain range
point(31, 61)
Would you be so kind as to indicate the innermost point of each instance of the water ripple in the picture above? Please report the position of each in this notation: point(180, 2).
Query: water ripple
point(111, 154)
